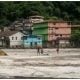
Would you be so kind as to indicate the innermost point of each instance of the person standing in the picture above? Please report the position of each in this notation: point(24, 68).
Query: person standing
point(38, 50)
point(57, 48)
point(41, 50)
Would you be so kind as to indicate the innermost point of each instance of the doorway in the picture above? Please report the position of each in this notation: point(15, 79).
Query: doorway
point(31, 45)
point(35, 44)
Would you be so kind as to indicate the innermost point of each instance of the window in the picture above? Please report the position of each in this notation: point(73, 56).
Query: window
point(16, 38)
point(56, 28)
point(31, 44)
point(39, 38)
point(54, 23)
point(60, 34)
point(56, 34)
point(35, 43)
point(50, 28)
point(12, 38)
point(68, 23)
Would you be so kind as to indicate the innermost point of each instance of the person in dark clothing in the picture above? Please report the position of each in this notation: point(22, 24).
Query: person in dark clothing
point(38, 50)
point(57, 48)
point(41, 50)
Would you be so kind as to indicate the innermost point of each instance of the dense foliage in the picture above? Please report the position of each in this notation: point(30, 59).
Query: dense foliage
point(10, 11)
point(75, 38)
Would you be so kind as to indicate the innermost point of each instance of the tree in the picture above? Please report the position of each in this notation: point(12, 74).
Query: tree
point(10, 11)
point(75, 38)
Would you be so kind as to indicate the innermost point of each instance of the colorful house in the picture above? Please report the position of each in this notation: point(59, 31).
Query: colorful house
point(51, 30)
point(59, 30)
point(11, 39)
point(41, 29)
point(31, 41)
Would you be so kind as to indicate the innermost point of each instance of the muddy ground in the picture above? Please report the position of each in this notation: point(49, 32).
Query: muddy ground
point(25, 63)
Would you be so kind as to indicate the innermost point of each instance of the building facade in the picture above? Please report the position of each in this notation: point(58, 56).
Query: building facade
point(11, 39)
point(41, 29)
point(59, 29)
point(51, 30)
point(36, 19)
point(32, 41)
point(16, 40)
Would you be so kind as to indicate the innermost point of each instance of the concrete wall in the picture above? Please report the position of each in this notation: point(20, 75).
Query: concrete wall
point(61, 29)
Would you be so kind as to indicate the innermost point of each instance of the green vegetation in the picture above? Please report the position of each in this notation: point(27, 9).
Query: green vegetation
point(66, 10)
point(75, 38)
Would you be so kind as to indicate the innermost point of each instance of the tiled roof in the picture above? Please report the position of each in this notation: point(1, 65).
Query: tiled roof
point(7, 33)
point(36, 16)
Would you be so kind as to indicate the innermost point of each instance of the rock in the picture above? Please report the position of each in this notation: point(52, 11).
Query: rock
point(2, 53)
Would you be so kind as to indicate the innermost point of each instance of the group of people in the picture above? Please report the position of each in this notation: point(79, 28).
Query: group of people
point(40, 50)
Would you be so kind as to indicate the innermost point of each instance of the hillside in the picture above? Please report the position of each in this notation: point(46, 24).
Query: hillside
point(10, 11)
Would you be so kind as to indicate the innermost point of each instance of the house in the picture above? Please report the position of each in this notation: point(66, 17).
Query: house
point(50, 30)
point(59, 29)
point(41, 29)
point(36, 19)
point(21, 25)
point(31, 41)
point(11, 39)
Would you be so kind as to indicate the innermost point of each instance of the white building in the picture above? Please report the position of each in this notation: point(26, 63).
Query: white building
point(12, 38)
point(36, 19)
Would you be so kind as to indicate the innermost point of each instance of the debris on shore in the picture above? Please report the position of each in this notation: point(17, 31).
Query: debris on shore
point(2, 53)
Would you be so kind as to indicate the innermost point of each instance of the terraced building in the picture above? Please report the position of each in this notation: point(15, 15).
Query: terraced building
point(52, 30)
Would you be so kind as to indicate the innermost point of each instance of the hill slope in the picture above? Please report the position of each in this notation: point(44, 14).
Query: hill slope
point(10, 11)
